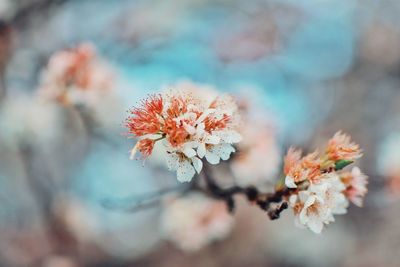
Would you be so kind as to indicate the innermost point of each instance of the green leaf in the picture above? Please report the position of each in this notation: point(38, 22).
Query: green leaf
point(340, 164)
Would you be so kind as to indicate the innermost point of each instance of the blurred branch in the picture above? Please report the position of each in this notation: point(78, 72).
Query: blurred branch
point(39, 192)
point(5, 51)
point(144, 201)
point(149, 200)
point(25, 12)
point(58, 234)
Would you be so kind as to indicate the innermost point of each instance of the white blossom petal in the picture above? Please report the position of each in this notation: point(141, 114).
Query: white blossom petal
point(197, 164)
point(292, 200)
point(204, 115)
point(172, 161)
point(228, 136)
point(185, 171)
point(133, 152)
point(223, 151)
point(189, 128)
point(212, 139)
point(315, 225)
point(212, 158)
point(289, 182)
point(189, 152)
point(201, 150)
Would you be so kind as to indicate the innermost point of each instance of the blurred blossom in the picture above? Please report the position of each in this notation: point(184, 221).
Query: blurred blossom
point(380, 44)
point(69, 72)
point(259, 37)
point(259, 156)
point(80, 78)
point(26, 119)
point(315, 250)
point(7, 8)
point(388, 163)
point(60, 261)
point(193, 221)
point(78, 218)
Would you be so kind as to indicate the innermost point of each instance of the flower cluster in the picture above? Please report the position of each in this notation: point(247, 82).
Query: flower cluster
point(72, 75)
point(319, 189)
point(189, 126)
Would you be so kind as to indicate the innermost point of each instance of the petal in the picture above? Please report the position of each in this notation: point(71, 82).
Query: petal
point(223, 151)
point(200, 128)
point(212, 139)
point(235, 137)
point(315, 225)
point(185, 172)
point(172, 161)
point(303, 196)
point(330, 218)
point(226, 151)
point(201, 150)
point(151, 136)
point(204, 115)
point(358, 201)
point(197, 164)
point(189, 152)
point(310, 201)
point(289, 182)
point(229, 136)
point(303, 218)
point(133, 152)
point(212, 158)
point(292, 200)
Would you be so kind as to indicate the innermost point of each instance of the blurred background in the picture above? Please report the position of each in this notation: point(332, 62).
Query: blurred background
point(313, 67)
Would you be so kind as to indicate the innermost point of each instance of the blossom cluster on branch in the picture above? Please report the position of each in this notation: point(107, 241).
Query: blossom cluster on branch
point(199, 130)
point(320, 189)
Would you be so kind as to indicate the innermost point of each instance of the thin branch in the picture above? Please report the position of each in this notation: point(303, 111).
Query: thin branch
point(33, 8)
point(153, 199)
point(144, 201)
point(263, 200)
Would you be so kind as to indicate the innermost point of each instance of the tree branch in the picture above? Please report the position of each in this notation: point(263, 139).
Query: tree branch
point(263, 200)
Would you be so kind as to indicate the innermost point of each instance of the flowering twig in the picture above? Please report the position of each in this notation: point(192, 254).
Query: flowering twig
point(197, 131)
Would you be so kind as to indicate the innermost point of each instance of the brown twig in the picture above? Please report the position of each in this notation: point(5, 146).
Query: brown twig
point(263, 200)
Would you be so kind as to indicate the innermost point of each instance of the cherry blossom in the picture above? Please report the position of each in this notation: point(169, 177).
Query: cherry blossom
point(316, 206)
point(356, 185)
point(76, 76)
point(190, 126)
point(318, 187)
point(340, 147)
